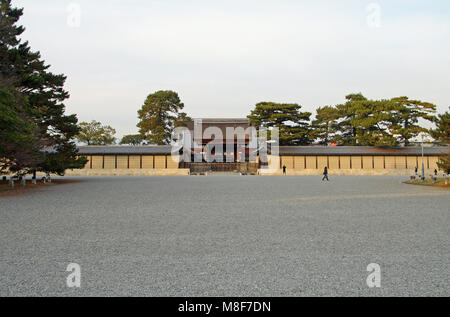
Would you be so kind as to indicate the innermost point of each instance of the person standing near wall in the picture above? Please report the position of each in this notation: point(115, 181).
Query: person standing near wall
point(284, 170)
point(325, 174)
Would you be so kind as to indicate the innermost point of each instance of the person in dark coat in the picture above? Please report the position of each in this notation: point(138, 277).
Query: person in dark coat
point(325, 174)
point(284, 169)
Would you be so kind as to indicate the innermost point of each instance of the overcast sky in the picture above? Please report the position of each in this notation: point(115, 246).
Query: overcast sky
point(224, 56)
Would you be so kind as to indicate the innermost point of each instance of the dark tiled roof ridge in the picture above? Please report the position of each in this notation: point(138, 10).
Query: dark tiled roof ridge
point(122, 146)
point(362, 150)
point(222, 119)
point(125, 150)
point(284, 150)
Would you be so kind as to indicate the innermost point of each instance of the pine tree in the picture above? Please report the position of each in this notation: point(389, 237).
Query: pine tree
point(347, 130)
point(42, 94)
point(365, 122)
point(19, 136)
point(325, 125)
point(94, 133)
point(294, 125)
point(159, 115)
point(133, 139)
point(441, 134)
point(406, 116)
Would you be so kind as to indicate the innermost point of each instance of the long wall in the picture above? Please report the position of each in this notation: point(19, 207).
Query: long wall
point(122, 165)
point(146, 162)
point(351, 165)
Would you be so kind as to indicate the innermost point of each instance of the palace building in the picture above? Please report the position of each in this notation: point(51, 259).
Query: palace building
point(227, 141)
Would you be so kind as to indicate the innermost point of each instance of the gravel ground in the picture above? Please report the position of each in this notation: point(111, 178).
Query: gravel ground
point(226, 236)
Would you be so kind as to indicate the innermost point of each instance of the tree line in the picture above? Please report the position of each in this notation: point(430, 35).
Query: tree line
point(158, 117)
point(357, 122)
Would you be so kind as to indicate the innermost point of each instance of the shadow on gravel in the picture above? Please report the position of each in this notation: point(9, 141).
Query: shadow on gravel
point(6, 191)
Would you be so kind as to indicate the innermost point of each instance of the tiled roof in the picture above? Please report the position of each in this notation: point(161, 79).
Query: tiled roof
point(361, 150)
point(284, 150)
point(125, 150)
point(224, 120)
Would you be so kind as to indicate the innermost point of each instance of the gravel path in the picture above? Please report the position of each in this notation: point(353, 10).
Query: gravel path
point(227, 236)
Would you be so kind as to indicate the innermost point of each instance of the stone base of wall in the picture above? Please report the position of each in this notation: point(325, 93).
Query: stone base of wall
point(186, 172)
point(356, 172)
point(128, 172)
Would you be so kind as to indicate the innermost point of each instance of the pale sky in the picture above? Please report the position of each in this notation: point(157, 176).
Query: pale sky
point(223, 57)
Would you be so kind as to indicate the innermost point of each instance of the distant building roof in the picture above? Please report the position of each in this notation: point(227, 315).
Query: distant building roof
point(361, 150)
point(125, 150)
point(224, 120)
point(221, 124)
point(284, 150)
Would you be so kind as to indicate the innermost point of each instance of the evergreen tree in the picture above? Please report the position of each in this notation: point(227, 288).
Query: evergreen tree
point(294, 125)
point(365, 122)
point(347, 131)
point(42, 94)
point(19, 136)
point(133, 139)
point(159, 115)
point(406, 116)
point(94, 133)
point(17, 131)
point(325, 125)
point(441, 134)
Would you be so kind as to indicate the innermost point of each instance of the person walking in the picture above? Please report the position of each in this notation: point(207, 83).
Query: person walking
point(416, 171)
point(284, 170)
point(325, 174)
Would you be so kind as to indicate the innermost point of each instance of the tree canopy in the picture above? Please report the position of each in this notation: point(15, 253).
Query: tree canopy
point(40, 133)
point(133, 139)
point(94, 133)
point(441, 134)
point(19, 135)
point(159, 115)
point(293, 124)
point(364, 122)
point(406, 115)
point(324, 127)
point(357, 122)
